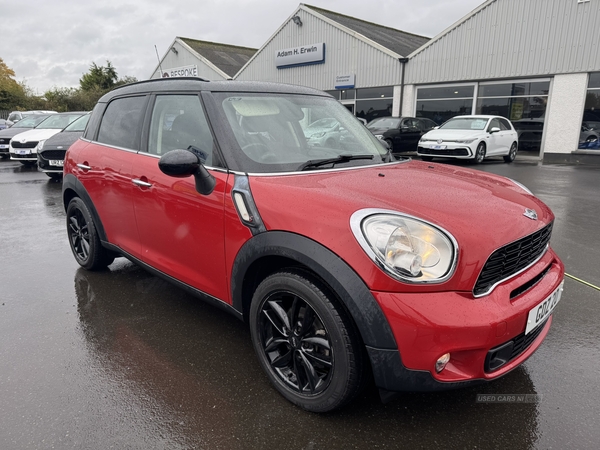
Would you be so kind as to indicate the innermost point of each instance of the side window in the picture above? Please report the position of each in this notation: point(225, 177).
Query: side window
point(179, 122)
point(427, 124)
point(493, 123)
point(122, 122)
point(504, 125)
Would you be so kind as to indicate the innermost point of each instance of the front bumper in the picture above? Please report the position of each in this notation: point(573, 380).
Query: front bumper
point(44, 160)
point(451, 150)
point(31, 156)
point(427, 326)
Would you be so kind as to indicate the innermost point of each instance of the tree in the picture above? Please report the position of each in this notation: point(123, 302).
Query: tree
point(12, 94)
point(99, 78)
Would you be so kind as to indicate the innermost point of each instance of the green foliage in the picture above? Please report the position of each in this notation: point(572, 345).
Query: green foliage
point(93, 85)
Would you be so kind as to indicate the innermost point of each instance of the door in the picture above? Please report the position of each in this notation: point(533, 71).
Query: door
point(104, 169)
point(182, 231)
point(409, 135)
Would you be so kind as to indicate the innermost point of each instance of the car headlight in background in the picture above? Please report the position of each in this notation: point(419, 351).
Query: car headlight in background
point(407, 248)
point(465, 141)
point(317, 135)
point(379, 136)
point(40, 145)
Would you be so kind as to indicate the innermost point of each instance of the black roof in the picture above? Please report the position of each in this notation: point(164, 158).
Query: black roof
point(398, 41)
point(181, 84)
point(228, 58)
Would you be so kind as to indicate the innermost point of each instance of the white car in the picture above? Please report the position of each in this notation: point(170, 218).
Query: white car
point(323, 133)
point(471, 137)
point(24, 146)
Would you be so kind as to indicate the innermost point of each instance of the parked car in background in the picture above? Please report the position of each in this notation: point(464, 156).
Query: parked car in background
point(589, 136)
point(3, 124)
point(471, 137)
point(51, 155)
point(23, 147)
point(530, 133)
point(348, 265)
point(15, 116)
point(402, 134)
point(323, 133)
point(23, 125)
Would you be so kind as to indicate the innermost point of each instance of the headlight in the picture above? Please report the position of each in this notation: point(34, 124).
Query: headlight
point(407, 248)
point(317, 135)
point(40, 145)
point(465, 141)
point(379, 136)
point(427, 140)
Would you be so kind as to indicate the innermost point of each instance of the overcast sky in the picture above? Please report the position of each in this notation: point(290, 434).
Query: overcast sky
point(52, 43)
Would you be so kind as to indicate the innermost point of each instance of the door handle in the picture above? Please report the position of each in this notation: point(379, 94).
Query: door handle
point(84, 167)
point(141, 183)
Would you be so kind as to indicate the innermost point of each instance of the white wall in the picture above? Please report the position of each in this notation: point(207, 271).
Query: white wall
point(565, 112)
point(409, 104)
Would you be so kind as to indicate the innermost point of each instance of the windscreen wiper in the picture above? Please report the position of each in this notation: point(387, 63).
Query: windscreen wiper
point(314, 163)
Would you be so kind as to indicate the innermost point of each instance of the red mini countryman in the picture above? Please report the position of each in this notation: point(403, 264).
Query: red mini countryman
point(341, 258)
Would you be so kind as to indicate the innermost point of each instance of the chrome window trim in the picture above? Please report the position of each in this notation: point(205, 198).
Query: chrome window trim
point(356, 225)
point(495, 285)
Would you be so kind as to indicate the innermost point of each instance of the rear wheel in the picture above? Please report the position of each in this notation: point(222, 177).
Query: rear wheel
point(84, 239)
point(306, 345)
point(512, 153)
point(479, 153)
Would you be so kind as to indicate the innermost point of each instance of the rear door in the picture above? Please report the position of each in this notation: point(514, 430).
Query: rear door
point(104, 168)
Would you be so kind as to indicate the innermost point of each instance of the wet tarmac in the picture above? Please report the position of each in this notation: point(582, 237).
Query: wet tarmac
point(121, 359)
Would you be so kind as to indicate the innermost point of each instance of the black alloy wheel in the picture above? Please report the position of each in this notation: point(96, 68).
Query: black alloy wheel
point(309, 351)
point(479, 153)
point(512, 153)
point(83, 238)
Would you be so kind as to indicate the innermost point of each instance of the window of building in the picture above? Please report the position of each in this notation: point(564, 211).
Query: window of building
point(440, 103)
point(589, 137)
point(375, 102)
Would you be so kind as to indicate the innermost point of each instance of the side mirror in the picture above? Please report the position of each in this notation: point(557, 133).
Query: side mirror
point(435, 128)
point(494, 130)
point(182, 164)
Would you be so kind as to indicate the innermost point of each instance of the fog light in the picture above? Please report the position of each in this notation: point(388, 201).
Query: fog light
point(441, 362)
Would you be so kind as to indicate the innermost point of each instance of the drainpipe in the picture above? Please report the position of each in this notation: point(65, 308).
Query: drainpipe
point(403, 61)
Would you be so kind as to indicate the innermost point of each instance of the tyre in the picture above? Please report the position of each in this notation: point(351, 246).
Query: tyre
point(512, 153)
point(306, 344)
point(390, 144)
point(83, 237)
point(427, 158)
point(54, 176)
point(479, 153)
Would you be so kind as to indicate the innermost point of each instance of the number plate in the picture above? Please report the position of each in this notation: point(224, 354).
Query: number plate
point(3, 146)
point(438, 147)
point(22, 152)
point(56, 162)
point(541, 312)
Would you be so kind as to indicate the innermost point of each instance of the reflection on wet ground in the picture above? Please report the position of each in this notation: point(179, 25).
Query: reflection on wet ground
point(121, 359)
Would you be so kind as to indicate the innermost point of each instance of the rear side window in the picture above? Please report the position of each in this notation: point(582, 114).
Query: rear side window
point(121, 124)
point(504, 125)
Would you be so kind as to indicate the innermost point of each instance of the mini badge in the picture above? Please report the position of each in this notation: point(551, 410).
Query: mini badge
point(530, 214)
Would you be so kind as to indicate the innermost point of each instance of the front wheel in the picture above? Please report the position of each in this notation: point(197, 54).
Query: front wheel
point(306, 345)
point(84, 239)
point(512, 153)
point(479, 153)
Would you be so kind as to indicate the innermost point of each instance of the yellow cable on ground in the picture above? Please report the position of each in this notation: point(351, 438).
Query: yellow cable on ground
point(581, 281)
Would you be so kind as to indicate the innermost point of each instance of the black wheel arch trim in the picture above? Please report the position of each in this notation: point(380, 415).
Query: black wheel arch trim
point(71, 182)
point(339, 276)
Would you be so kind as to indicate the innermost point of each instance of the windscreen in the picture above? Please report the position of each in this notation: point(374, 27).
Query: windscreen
point(288, 133)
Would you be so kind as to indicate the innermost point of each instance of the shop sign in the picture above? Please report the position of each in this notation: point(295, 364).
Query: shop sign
point(185, 71)
point(300, 56)
point(345, 81)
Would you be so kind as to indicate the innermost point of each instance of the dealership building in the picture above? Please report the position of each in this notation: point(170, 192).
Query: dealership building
point(535, 62)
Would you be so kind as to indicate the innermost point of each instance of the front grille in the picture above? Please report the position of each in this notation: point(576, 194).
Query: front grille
point(4, 140)
point(448, 152)
point(31, 144)
point(512, 258)
point(54, 154)
point(503, 354)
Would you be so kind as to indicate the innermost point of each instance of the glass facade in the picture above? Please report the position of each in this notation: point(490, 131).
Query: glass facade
point(367, 103)
point(589, 137)
point(442, 103)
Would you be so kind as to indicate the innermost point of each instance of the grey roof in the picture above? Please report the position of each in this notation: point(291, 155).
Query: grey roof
point(228, 58)
point(398, 41)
